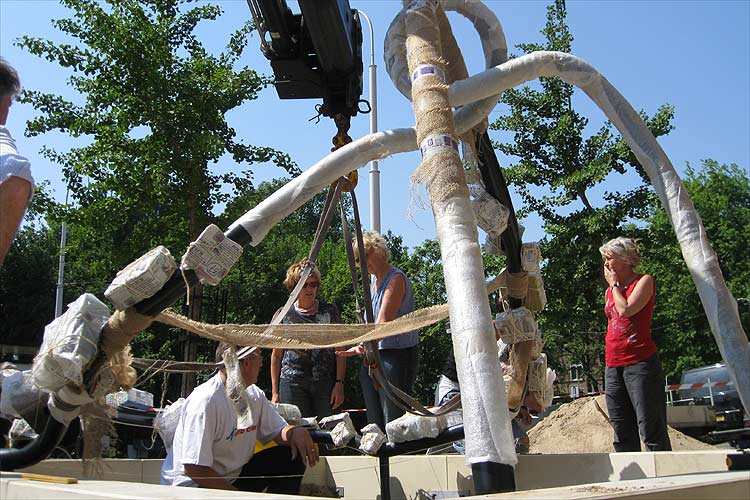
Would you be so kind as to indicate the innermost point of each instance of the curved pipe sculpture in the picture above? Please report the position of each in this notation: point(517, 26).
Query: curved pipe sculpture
point(717, 301)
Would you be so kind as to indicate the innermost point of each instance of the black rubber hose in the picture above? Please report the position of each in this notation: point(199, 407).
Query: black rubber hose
point(495, 184)
point(37, 450)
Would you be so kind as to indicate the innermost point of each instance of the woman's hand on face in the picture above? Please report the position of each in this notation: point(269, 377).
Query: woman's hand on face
point(609, 275)
point(357, 350)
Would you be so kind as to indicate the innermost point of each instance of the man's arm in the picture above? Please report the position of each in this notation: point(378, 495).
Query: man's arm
point(299, 440)
point(207, 477)
point(14, 196)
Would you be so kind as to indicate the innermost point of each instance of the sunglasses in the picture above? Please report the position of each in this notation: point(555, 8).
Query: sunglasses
point(314, 284)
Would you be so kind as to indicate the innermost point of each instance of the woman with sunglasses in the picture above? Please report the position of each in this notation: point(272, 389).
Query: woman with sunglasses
point(311, 379)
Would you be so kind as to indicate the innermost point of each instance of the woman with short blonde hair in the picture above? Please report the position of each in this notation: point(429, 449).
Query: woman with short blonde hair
point(634, 380)
point(392, 297)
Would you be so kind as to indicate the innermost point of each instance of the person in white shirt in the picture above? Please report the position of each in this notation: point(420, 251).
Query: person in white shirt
point(210, 450)
point(16, 183)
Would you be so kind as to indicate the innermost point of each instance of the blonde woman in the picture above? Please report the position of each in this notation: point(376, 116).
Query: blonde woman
point(311, 379)
point(392, 297)
point(634, 380)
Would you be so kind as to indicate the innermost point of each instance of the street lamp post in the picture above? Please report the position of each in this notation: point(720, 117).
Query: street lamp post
point(374, 172)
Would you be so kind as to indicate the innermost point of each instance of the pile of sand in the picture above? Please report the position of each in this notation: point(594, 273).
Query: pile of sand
point(581, 427)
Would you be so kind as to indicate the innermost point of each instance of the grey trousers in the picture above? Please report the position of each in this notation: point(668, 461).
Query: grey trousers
point(637, 406)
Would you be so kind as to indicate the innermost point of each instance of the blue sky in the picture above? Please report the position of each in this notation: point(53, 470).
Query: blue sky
point(691, 54)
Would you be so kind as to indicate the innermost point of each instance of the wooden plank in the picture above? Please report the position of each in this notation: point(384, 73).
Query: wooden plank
point(49, 479)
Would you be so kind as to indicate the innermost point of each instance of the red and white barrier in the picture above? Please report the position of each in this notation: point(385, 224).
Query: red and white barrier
point(677, 387)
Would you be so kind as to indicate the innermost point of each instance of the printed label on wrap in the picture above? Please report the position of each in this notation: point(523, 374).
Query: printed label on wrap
point(427, 70)
point(438, 143)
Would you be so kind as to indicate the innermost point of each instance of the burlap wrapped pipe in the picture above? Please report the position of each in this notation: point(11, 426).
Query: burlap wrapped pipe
point(488, 435)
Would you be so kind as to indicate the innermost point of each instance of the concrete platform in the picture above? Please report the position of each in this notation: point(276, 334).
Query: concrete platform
point(435, 476)
point(715, 486)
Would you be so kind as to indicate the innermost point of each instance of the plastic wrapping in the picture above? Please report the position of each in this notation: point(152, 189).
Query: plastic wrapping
point(342, 433)
point(492, 216)
point(549, 388)
point(516, 325)
point(70, 343)
point(141, 279)
point(132, 395)
point(537, 377)
point(531, 255)
point(702, 262)
point(332, 421)
point(166, 421)
point(258, 221)
point(372, 439)
point(290, 413)
point(492, 246)
point(485, 22)
point(308, 422)
point(66, 403)
point(20, 433)
point(410, 427)
point(485, 408)
point(14, 386)
point(211, 256)
point(536, 297)
point(236, 390)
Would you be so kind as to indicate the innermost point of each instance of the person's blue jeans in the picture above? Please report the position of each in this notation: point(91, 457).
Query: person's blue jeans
point(312, 397)
point(400, 368)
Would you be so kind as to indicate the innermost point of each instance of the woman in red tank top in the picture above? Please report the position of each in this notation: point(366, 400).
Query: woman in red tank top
point(633, 376)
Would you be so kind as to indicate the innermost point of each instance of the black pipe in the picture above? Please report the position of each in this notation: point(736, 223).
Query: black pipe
point(37, 450)
point(385, 478)
point(492, 477)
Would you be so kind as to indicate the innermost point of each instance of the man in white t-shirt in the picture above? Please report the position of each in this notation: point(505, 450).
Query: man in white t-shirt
point(16, 183)
point(210, 451)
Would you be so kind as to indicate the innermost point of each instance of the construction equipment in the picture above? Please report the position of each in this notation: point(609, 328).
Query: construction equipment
point(315, 54)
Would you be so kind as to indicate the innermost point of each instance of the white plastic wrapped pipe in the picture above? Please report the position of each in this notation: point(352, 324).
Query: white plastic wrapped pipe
point(493, 43)
point(488, 430)
point(718, 302)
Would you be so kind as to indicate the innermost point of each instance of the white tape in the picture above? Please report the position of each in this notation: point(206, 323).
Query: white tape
point(427, 70)
point(437, 143)
point(211, 256)
point(531, 256)
point(421, 4)
point(141, 279)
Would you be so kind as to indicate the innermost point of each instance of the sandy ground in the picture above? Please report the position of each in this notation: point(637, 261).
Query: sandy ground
point(581, 427)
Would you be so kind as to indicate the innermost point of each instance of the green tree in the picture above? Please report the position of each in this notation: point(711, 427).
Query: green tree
point(721, 194)
point(153, 110)
point(555, 175)
point(27, 286)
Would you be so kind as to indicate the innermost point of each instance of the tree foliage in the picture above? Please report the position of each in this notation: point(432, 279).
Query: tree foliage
point(150, 105)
